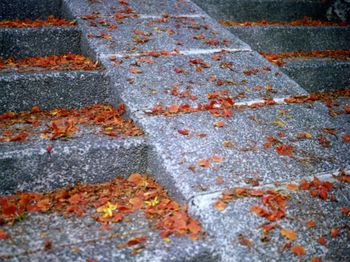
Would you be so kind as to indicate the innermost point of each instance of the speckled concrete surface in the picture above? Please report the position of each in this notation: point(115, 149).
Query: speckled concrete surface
point(172, 158)
point(27, 42)
point(82, 238)
point(90, 158)
point(319, 74)
point(53, 89)
point(237, 219)
point(278, 39)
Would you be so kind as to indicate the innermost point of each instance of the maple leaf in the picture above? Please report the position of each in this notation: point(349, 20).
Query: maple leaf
point(290, 234)
point(310, 223)
point(346, 138)
point(285, 150)
point(219, 124)
point(345, 211)
point(298, 250)
point(220, 205)
point(3, 235)
point(184, 132)
point(135, 70)
point(107, 209)
point(203, 163)
point(322, 240)
point(136, 241)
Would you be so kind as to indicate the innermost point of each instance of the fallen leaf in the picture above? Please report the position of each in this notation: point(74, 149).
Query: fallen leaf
point(285, 150)
point(298, 250)
point(310, 223)
point(3, 235)
point(290, 234)
point(184, 132)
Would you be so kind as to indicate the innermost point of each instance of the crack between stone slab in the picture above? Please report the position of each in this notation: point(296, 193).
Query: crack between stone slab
point(324, 176)
point(182, 52)
point(93, 240)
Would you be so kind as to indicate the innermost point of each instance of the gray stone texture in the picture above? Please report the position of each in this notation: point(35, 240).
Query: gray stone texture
point(86, 158)
point(44, 41)
point(277, 39)
point(72, 89)
point(237, 220)
point(319, 74)
point(254, 10)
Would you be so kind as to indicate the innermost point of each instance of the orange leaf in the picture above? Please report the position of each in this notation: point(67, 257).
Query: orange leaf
point(135, 70)
point(298, 250)
point(3, 235)
point(216, 158)
point(203, 163)
point(135, 178)
point(334, 232)
point(290, 234)
point(345, 211)
point(184, 132)
point(310, 223)
point(136, 202)
point(285, 150)
point(292, 187)
point(220, 205)
point(136, 240)
point(316, 259)
point(219, 124)
point(346, 138)
point(194, 227)
point(322, 240)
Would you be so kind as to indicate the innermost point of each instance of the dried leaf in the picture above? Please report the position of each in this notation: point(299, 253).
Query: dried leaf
point(290, 234)
point(298, 250)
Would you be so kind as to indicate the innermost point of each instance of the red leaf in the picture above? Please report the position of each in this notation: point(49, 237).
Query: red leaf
point(346, 138)
point(298, 250)
point(3, 235)
point(135, 70)
point(184, 132)
point(219, 124)
point(322, 240)
point(136, 240)
point(285, 150)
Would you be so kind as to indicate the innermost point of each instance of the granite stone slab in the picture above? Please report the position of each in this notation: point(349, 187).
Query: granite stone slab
point(32, 9)
point(174, 33)
point(278, 39)
point(80, 239)
point(273, 10)
point(44, 41)
point(52, 89)
point(241, 147)
point(240, 237)
point(155, 82)
point(28, 166)
point(319, 74)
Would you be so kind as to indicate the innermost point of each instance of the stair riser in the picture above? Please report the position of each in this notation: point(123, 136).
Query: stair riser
point(325, 77)
point(50, 90)
point(254, 10)
point(29, 42)
point(34, 169)
point(278, 39)
point(33, 9)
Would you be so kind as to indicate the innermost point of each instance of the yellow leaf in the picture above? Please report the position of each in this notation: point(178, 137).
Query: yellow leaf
point(290, 234)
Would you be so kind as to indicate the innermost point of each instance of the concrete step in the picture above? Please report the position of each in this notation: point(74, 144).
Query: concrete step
point(132, 233)
point(319, 74)
point(52, 89)
point(65, 146)
point(43, 41)
point(32, 9)
point(317, 227)
point(185, 163)
point(273, 10)
point(278, 39)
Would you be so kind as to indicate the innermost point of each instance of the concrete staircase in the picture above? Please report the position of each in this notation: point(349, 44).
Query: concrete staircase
point(313, 74)
point(208, 105)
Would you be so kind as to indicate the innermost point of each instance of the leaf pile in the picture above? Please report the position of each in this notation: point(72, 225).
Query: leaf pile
point(27, 23)
point(306, 21)
point(63, 123)
point(274, 204)
point(109, 202)
point(278, 58)
point(53, 62)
